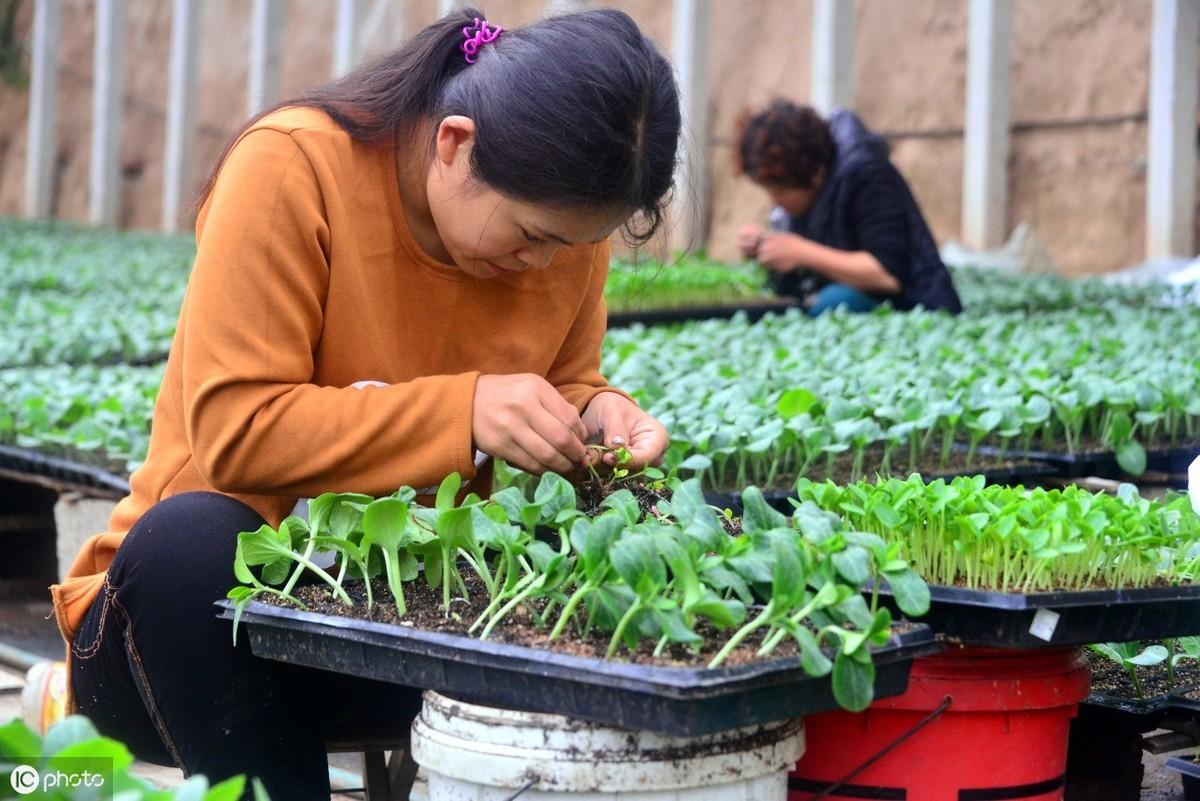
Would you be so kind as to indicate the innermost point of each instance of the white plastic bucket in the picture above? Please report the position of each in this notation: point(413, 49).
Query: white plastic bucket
point(478, 753)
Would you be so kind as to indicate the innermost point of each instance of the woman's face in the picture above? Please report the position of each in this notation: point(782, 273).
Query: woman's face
point(795, 200)
point(488, 234)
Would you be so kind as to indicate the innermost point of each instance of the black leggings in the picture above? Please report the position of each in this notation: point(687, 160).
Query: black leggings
point(154, 667)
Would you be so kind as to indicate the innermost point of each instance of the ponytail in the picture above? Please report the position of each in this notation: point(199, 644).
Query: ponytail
point(576, 111)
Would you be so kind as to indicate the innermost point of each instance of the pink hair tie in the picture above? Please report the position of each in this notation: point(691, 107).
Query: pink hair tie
point(476, 36)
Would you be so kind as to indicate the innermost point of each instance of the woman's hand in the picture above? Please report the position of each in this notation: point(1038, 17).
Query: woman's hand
point(626, 426)
point(748, 239)
point(524, 421)
point(783, 252)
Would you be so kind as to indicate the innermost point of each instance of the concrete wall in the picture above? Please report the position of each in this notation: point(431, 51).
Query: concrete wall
point(1079, 94)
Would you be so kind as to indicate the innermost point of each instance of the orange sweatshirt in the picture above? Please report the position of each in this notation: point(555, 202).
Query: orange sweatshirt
point(307, 280)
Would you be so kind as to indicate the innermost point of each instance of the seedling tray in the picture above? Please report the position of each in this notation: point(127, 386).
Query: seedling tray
point(1177, 700)
point(1139, 707)
point(753, 311)
point(20, 460)
point(1103, 464)
point(1038, 620)
point(1189, 772)
point(669, 700)
point(1028, 473)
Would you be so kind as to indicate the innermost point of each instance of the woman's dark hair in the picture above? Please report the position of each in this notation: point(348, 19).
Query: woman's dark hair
point(786, 145)
point(579, 110)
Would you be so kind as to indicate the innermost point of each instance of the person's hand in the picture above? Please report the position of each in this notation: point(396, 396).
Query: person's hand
point(524, 421)
point(782, 252)
point(626, 426)
point(748, 238)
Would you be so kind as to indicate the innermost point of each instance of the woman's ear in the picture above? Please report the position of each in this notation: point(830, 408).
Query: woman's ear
point(455, 138)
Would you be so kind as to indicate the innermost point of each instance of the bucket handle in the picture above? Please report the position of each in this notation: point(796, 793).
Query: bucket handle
point(930, 718)
point(527, 786)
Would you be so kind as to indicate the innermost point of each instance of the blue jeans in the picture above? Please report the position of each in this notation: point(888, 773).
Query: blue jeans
point(831, 296)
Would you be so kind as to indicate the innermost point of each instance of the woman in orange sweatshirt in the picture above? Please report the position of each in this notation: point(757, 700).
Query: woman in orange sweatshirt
point(435, 221)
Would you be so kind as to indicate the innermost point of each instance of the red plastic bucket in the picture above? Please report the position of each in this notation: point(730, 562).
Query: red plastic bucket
point(1003, 734)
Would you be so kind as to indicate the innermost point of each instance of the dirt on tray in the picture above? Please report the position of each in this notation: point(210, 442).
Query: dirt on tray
point(932, 466)
point(1160, 582)
point(87, 458)
point(1092, 446)
point(843, 468)
point(1111, 679)
point(521, 626)
point(590, 494)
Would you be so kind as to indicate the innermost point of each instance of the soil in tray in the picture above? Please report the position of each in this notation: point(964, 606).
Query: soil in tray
point(590, 494)
point(1109, 678)
point(1099, 585)
point(843, 467)
point(1191, 693)
point(1091, 446)
point(96, 459)
point(519, 628)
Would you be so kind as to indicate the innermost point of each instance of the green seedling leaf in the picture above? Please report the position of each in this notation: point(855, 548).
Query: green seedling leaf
point(812, 658)
point(542, 555)
point(385, 523)
point(723, 613)
point(1152, 655)
point(758, 515)
point(623, 502)
point(263, 547)
point(228, 790)
point(853, 682)
point(608, 604)
point(1131, 457)
point(787, 577)
point(697, 462)
point(854, 563)
point(512, 501)
point(723, 579)
point(555, 495)
point(637, 561)
point(70, 731)
point(909, 590)
point(447, 494)
point(852, 608)
point(455, 529)
point(795, 402)
point(672, 625)
point(16, 739)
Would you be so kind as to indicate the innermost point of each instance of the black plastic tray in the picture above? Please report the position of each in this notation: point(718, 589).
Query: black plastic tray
point(1004, 620)
point(1131, 706)
point(1189, 772)
point(1103, 464)
point(66, 471)
point(754, 311)
point(778, 499)
point(670, 700)
point(1176, 700)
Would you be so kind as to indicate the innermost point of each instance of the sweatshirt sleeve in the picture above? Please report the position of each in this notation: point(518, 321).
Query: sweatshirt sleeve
point(879, 218)
point(252, 321)
point(576, 369)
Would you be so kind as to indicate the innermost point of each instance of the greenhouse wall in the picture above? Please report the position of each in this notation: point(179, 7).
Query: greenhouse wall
point(1078, 83)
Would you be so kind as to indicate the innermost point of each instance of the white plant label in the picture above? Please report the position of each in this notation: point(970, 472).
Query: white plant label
point(1194, 484)
point(1044, 624)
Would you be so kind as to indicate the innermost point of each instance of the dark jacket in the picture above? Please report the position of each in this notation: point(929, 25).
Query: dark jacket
point(865, 204)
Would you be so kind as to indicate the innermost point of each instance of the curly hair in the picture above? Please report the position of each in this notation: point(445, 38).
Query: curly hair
point(785, 145)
